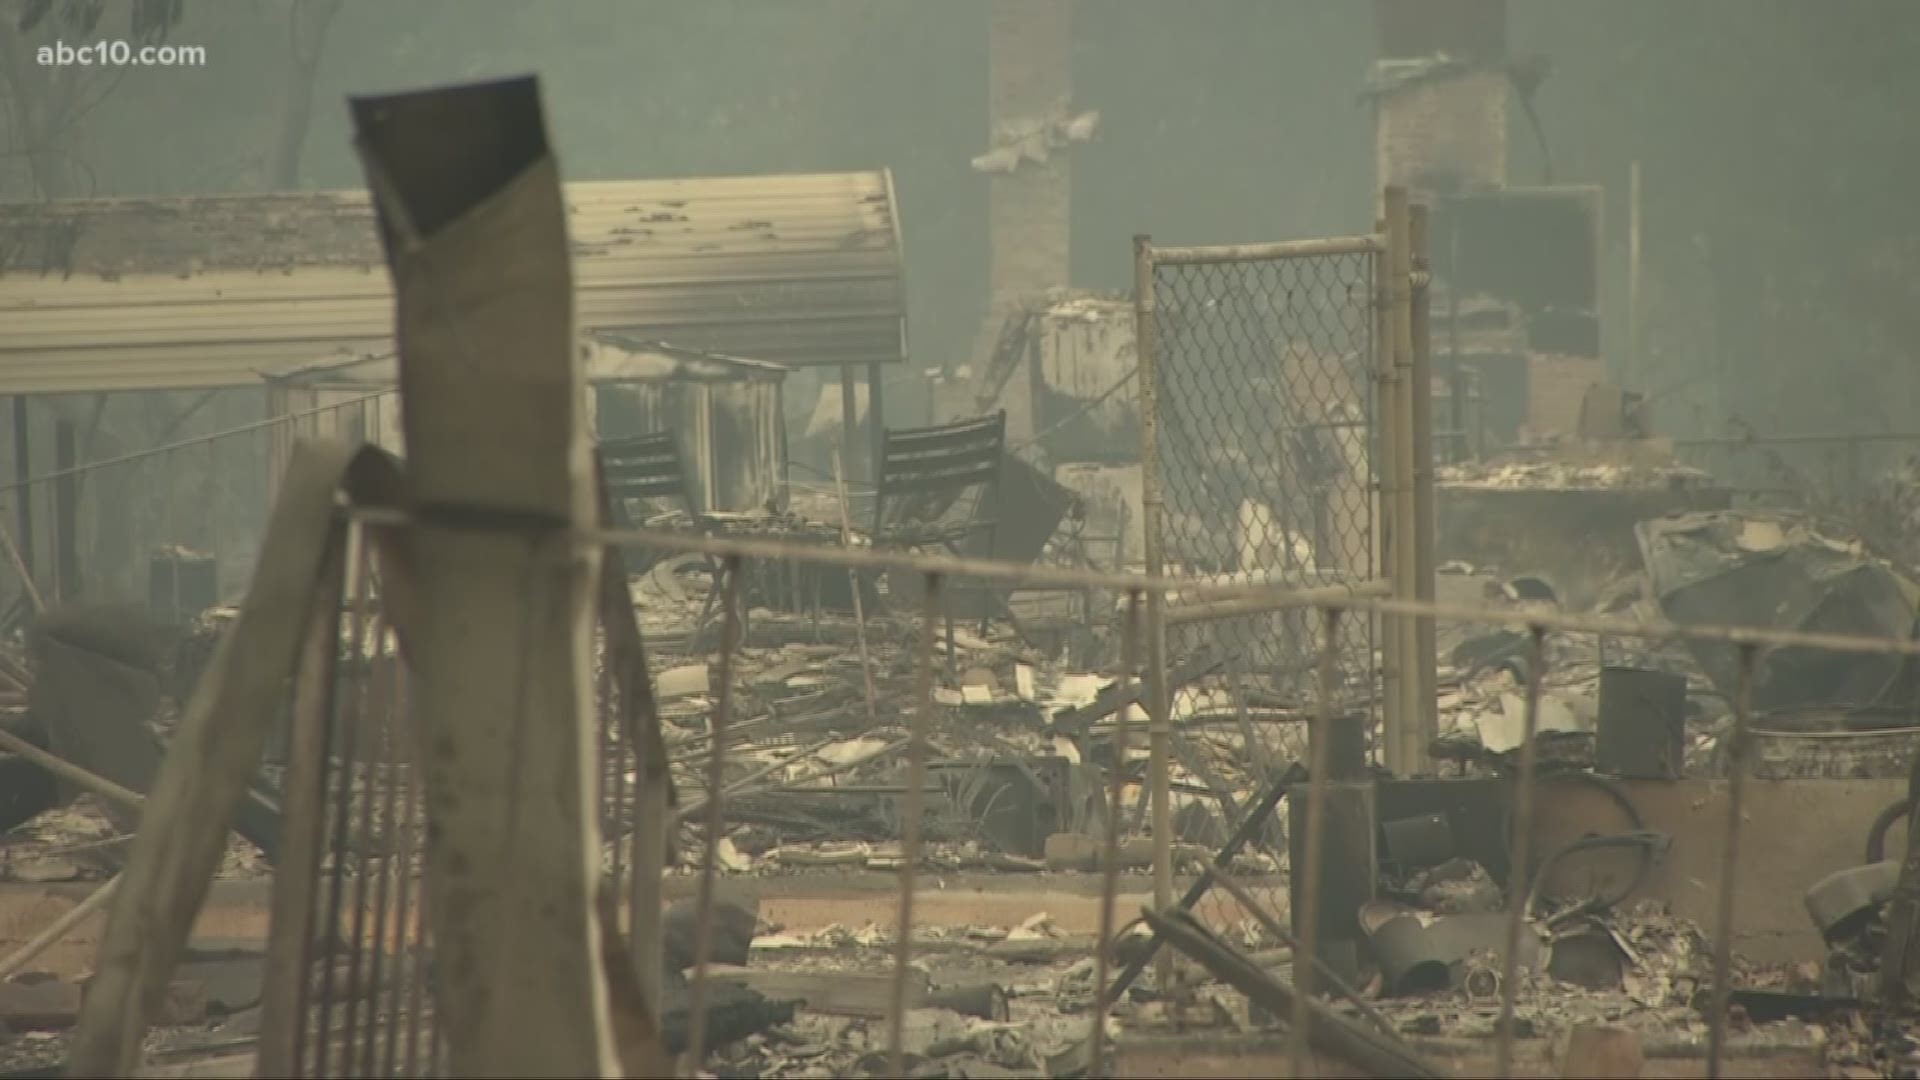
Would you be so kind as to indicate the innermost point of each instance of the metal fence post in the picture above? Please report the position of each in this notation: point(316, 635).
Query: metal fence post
point(1405, 517)
point(1159, 763)
point(1307, 927)
point(715, 816)
point(1146, 347)
point(1387, 510)
point(1520, 839)
point(1426, 718)
point(920, 720)
point(1110, 850)
point(1730, 860)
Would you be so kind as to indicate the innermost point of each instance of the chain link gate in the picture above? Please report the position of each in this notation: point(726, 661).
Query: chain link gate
point(1262, 463)
point(1263, 410)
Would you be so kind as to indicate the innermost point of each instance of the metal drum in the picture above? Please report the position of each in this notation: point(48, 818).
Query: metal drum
point(1839, 743)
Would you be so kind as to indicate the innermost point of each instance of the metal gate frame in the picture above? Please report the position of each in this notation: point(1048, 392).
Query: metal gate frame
point(1400, 470)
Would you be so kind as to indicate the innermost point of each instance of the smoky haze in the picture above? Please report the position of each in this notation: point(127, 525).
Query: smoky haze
point(1780, 249)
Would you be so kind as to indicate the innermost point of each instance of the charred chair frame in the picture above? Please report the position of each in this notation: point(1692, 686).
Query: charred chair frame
point(651, 467)
point(924, 474)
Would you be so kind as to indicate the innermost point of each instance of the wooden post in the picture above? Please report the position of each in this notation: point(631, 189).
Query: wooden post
point(1405, 518)
point(1426, 677)
point(500, 476)
point(66, 512)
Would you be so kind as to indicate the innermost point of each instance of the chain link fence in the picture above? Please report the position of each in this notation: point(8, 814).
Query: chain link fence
point(119, 528)
point(1266, 442)
point(1263, 452)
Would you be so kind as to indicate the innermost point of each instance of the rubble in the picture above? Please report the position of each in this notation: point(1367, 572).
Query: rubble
point(1781, 571)
point(1559, 475)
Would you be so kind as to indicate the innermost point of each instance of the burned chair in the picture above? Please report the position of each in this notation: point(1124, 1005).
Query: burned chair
point(648, 469)
point(939, 489)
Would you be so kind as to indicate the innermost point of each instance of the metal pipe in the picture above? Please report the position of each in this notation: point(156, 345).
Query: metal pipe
point(341, 811)
point(1835, 438)
point(1267, 252)
point(1110, 849)
point(59, 928)
point(1260, 605)
point(716, 819)
point(650, 854)
point(1319, 757)
point(418, 989)
point(1406, 520)
point(406, 922)
point(1283, 599)
point(360, 948)
point(916, 797)
point(1160, 766)
point(1521, 840)
point(1146, 346)
point(1426, 678)
point(1730, 861)
point(383, 889)
point(606, 803)
point(1387, 527)
point(853, 582)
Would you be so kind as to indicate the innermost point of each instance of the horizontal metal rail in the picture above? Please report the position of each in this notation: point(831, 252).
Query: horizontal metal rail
point(1280, 599)
point(1371, 244)
point(1734, 442)
point(1334, 595)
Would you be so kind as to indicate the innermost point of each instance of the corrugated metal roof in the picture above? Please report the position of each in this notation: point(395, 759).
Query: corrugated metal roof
point(152, 294)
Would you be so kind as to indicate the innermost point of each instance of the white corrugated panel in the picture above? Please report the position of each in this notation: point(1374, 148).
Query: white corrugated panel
point(153, 294)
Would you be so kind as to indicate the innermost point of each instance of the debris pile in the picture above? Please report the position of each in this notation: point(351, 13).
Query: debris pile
point(1566, 476)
